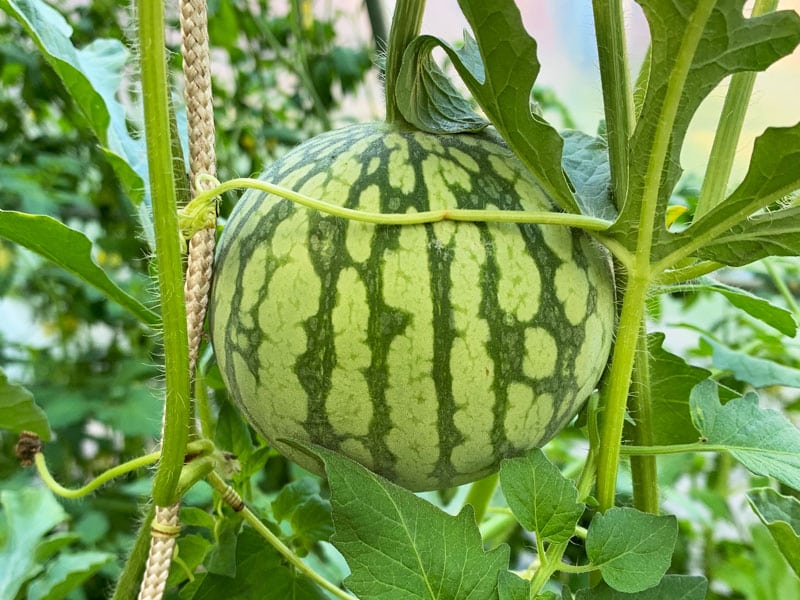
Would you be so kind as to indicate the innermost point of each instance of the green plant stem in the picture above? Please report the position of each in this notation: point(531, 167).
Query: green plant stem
point(729, 129)
point(155, 94)
point(704, 267)
point(779, 283)
point(203, 406)
point(103, 478)
point(200, 447)
point(480, 495)
point(220, 486)
point(613, 416)
point(643, 468)
point(672, 449)
point(456, 214)
point(406, 23)
point(127, 586)
point(638, 282)
point(617, 95)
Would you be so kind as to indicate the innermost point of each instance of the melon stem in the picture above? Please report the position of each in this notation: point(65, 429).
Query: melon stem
point(406, 24)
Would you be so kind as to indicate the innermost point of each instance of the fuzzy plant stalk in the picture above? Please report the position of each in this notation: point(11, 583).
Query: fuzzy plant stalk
point(406, 24)
point(641, 271)
point(155, 98)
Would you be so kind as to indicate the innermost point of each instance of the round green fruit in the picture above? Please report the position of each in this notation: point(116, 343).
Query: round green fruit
point(428, 353)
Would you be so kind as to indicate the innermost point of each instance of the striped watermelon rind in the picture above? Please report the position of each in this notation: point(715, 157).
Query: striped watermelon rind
point(426, 352)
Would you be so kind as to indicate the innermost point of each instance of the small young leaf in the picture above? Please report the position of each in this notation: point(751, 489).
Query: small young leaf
point(781, 515)
point(632, 549)
point(426, 98)
point(671, 587)
point(71, 250)
point(66, 573)
point(19, 412)
point(585, 161)
point(499, 67)
point(398, 545)
point(92, 76)
point(540, 497)
point(29, 514)
point(758, 372)
point(730, 43)
point(775, 233)
point(761, 439)
point(511, 587)
point(309, 514)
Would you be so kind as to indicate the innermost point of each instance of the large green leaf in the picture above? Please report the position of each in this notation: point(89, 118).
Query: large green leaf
point(773, 233)
point(759, 372)
point(511, 587)
point(671, 587)
point(29, 514)
point(773, 173)
point(19, 412)
point(66, 573)
point(92, 76)
point(781, 515)
point(632, 549)
point(499, 66)
point(758, 308)
point(730, 43)
point(763, 440)
point(400, 546)
point(541, 498)
point(70, 250)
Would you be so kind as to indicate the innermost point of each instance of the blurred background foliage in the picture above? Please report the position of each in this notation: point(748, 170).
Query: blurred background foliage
point(281, 75)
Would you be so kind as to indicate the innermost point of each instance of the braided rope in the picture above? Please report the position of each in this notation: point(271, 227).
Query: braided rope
point(202, 159)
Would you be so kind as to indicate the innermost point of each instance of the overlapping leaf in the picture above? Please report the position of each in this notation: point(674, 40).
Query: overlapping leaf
point(759, 372)
point(671, 587)
point(632, 549)
point(19, 412)
point(775, 233)
point(499, 66)
point(763, 440)
point(585, 160)
point(730, 43)
point(92, 76)
point(725, 233)
point(398, 545)
point(71, 250)
point(781, 515)
point(541, 498)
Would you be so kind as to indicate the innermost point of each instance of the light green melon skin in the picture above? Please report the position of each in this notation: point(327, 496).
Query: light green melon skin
point(428, 352)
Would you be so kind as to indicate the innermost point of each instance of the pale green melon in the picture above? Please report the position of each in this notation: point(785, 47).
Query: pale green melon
point(428, 353)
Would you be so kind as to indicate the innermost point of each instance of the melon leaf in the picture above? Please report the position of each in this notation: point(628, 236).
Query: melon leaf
point(632, 549)
point(730, 43)
point(399, 545)
point(426, 98)
point(773, 173)
point(500, 66)
point(671, 587)
point(540, 497)
point(72, 251)
point(781, 515)
point(19, 412)
point(511, 587)
point(92, 76)
point(761, 439)
point(774, 233)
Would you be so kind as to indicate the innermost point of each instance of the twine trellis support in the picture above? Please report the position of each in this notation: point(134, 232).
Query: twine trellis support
point(165, 526)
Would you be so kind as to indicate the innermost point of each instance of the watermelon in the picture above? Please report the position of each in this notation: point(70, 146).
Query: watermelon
point(427, 353)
